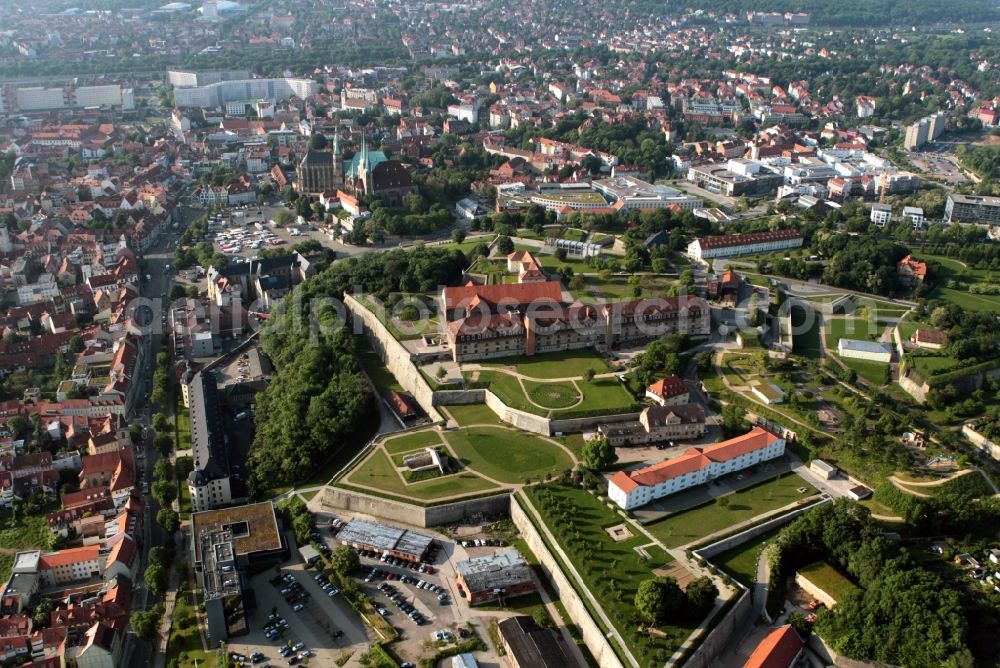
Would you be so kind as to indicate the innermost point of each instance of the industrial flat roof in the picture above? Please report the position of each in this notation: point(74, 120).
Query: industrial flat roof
point(383, 537)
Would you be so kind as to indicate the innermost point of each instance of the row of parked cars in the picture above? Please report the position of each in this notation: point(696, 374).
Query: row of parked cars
point(291, 590)
point(482, 542)
point(399, 600)
point(389, 560)
point(324, 583)
point(242, 660)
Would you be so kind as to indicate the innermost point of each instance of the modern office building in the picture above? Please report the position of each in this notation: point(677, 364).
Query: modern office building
point(226, 545)
point(736, 178)
point(633, 193)
point(385, 539)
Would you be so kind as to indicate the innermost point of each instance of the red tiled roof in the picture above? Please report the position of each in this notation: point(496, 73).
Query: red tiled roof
point(744, 239)
point(777, 650)
point(515, 293)
point(671, 386)
point(71, 556)
point(694, 459)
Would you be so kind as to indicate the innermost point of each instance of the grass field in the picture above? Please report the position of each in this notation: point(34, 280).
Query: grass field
point(601, 394)
point(873, 372)
point(827, 578)
point(26, 531)
point(6, 566)
point(401, 329)
point(552, 395)
point(618, 288)
point(376, 370)
point(377, 473)
point(741, 562)
point(507, 455)
point(931, 365)
point(690, 525)
point(951, 269)
point(184, 648)
point(414, 441)
point(612, 570)
point(546, 366)
point(851, 328)
point(806, 343)
point(473, 414)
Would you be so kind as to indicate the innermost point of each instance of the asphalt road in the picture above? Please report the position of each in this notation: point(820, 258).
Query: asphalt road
point(138, 653)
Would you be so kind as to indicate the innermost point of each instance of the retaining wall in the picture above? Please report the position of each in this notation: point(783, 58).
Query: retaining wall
point(397, 358)
point(981, 442)
point(408, 513)
point(523, 420)
point(593, 637)
point(736, 540)
point(734, 622)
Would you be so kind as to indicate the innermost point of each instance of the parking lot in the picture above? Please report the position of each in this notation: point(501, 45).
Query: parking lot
point(444, 611)
point(326, 626)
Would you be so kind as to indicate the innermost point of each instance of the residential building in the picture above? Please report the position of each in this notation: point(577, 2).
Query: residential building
point(669, 391)
point(695, 466)
point(781, 648)
point(704, 248)
point(881, 215)
point(657, 424)
point(496, 576)
point(972, 209)
point(871, 351)
point(528, 645)
point(911, 270)
point(211, 484)
point(916, 216)
point(932, 339)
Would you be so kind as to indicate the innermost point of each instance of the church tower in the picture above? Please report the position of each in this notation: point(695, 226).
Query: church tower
point(338, 159)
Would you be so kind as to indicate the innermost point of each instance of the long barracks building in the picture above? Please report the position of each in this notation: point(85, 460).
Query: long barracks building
point(487, 321)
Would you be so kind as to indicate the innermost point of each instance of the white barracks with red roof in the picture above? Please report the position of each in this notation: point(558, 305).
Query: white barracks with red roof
point(695, 466)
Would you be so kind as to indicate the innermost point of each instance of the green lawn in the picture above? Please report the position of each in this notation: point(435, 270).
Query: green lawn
point(553, 395)
point(401, 328)
point(573, 234)
point(184, 648)
point(467, 414)
point(618, 288)
point(376, 370)
point(602, 394)
point(951, 269)
point(507, 455)
point(690, 525)
point(851, 328)
point(414, 441)
point(808, 342)
point(26, 531)
point(827, 578)
point(377, 473)
point(612, 570)
point(741, 562)
point(6, 565)
point(873, 372)
point(931, 365)
point(546, 366)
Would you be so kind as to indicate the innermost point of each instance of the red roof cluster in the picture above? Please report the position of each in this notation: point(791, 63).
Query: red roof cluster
point(747, 239)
